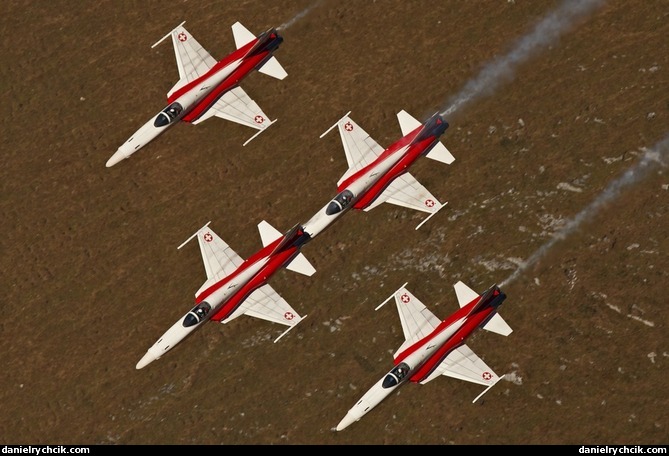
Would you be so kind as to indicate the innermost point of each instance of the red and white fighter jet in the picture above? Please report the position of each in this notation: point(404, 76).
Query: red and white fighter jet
point(210, 88)
point(237, 287)
point(433, 347)
point(377, 175)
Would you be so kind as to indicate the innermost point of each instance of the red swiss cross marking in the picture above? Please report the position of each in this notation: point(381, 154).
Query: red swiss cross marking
point(487, 376)
point(289, 315)
point(259, 119)
point(348, 126)
point(429, 203)
point(208, 237)
point(405, 298)
point(182, 37)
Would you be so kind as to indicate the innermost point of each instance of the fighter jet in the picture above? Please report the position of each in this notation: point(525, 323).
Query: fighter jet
point(209, 88)
point(237, 287)
point(377, 175)
point(433, 348)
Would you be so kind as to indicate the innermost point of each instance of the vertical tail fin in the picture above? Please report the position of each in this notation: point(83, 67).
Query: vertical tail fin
point(271, 66)
point(269, 234)
point(408, 124)
point(496, 323)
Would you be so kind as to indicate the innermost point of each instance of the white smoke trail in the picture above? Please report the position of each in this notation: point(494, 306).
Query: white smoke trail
point(546, 32)
point(299, 16)
point(657, 155)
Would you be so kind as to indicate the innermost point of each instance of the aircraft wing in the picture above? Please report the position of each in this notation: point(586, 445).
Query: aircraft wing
point(417, 321)
point(265, 303)
point(406, 191)
point(218, 258)
point(235, 105)
point(463, 364)
point(192, 59)
point(359, 147)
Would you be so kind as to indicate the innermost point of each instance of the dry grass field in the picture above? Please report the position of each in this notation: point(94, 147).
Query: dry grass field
point(91, 275)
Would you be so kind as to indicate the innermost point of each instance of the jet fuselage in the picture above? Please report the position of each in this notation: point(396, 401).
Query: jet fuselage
point(191, 101)
point(220, 300)
point(361, 188)
point(419, 360)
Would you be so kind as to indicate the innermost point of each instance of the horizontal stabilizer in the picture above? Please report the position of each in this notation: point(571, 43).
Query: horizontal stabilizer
point(301, 265)
point(273, 68)
point(464, 293)
point(242, 35)
point(497, 325)
point(440, 153)
point(408, 123)
point(268, 233)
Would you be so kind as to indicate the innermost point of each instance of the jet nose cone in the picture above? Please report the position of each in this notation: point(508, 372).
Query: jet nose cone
point(117, 157)
point(146, 359)
point(346, 422)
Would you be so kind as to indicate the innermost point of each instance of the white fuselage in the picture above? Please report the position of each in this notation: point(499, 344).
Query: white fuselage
point(179, 332)
point(415, 360)
point(321, 220)
point(188, 101)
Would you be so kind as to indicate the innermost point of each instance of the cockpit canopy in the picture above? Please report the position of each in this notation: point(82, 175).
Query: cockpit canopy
point(197, 314)
point(168, 115)
point(396, 375)
point(339, 202)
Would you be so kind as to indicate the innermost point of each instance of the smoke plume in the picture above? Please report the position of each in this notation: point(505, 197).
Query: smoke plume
point(655, 156)
point(502, 69)
point(299, 16)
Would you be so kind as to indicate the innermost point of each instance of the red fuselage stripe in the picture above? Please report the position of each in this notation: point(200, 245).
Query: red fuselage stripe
point(401, 167)
point(240, 73)
point(275, 263)
point(259, 255)
point(472, 322)
point(230, 82)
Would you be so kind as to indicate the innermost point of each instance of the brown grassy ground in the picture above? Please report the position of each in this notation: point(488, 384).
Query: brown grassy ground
point(92, 276)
